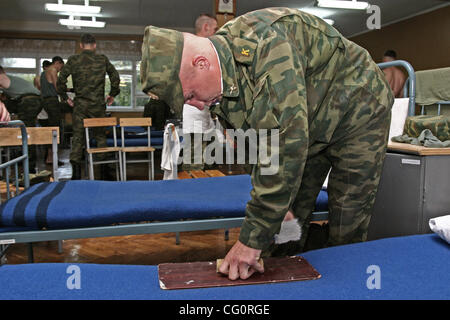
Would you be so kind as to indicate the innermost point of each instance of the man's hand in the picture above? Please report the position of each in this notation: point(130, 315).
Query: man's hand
point(70, 102)
point(109, 100)
point(241, 262)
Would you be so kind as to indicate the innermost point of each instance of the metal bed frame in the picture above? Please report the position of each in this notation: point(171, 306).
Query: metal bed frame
point(8, 238)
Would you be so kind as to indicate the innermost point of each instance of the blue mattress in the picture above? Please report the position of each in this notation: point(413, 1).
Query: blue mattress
point(134, 137)
point(137, 142)
point(412, 267)
point(90, 203)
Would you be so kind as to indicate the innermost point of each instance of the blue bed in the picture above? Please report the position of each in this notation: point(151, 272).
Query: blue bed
point(90, 203)
point(90, 208)
point(412, 267)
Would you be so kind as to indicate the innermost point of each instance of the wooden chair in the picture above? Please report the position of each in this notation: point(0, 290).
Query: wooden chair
point(141, 122)
point(91, 123)
point(10, 137)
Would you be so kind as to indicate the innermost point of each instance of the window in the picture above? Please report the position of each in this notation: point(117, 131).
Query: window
point(29, 63)
point(124, 98)
point(141, 97)
point(130, 97)
point(26, 76)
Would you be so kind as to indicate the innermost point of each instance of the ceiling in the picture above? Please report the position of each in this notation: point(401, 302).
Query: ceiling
point(129, 17)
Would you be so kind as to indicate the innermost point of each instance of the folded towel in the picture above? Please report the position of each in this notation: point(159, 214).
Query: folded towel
point(432, 86)
point(426, 139)
point(441, 226)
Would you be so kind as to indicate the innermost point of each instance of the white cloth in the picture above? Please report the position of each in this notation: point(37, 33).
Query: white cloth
point(399, 113)
point(170, 153)
point(441, 226)
point(290, 231)
point(42, 115)
point(196, 121)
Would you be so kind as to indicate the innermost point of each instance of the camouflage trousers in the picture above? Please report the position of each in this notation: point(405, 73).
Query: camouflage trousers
point(52, 106)
point(28, 109)
point(355, 155)
point(81, 111)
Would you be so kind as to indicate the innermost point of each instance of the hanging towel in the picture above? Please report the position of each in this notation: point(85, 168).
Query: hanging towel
point(170, 152)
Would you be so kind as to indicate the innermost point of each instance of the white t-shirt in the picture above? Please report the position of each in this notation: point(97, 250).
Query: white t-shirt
point(195, 120)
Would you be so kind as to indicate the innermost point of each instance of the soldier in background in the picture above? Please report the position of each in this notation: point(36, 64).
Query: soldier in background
point(290, 71)
point(28, 105)
point(88, 71)
point(195, 121)
point(394, 75)
point(50, 100)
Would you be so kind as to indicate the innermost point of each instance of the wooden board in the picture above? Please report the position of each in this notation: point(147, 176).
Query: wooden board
point(214, 173)
point(134, 122)
point(36, 135)
point(184, 175)
point(191, 275)
point(198, 174)
point(418, 150)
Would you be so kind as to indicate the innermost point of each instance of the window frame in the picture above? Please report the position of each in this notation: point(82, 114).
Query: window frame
point(130, 72)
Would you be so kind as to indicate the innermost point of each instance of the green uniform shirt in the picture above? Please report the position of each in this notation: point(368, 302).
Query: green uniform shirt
point(288, 70)
point(88, 71)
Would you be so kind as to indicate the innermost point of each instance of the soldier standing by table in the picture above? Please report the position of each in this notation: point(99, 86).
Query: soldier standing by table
point(88, 71)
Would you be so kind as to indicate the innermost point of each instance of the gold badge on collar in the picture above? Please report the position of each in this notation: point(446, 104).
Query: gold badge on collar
point(245, 52)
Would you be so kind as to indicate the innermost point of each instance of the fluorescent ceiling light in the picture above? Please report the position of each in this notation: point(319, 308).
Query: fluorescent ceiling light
point(82, 23)
point(72, 8)
point(318, 12)
point(343, 4)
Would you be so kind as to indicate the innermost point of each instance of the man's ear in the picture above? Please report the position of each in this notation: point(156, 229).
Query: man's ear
point(200, 62)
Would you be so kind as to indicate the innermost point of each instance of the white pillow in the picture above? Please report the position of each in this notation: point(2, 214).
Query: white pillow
point(399, 113)
point(441, 226)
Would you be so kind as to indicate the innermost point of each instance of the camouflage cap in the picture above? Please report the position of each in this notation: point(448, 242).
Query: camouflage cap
point(161, 59)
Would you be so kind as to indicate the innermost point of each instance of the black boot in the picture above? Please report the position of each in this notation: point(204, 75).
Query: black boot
point(76, 171)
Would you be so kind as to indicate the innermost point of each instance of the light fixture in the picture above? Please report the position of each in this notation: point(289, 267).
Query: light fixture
point(318, 12)
point(86, 8)
point(343, 4)
point(82, 23)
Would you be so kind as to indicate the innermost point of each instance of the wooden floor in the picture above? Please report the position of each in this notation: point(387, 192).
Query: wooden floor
point(140, 249)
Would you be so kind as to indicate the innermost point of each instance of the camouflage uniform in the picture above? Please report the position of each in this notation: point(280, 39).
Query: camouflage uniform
point(28, 108)
point(287, 70)
point(88, 71)
point(159, 111)
point(439, 125)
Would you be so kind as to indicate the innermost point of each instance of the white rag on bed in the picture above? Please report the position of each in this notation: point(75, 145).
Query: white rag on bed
point(441, 226)
point(290, 231)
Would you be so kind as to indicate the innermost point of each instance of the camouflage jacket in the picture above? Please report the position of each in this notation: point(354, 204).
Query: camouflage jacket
point(280, 68)
point(88, 71)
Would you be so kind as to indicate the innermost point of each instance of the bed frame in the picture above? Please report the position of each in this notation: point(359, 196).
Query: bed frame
point(7, 238)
